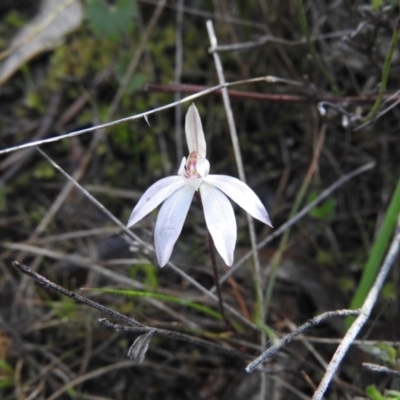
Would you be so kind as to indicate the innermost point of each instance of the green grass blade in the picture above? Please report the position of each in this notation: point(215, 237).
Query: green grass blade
point(163, 297)
point(377, 253)
point(385, 72)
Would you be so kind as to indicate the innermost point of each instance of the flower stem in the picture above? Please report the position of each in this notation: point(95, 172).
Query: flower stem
point(211, 249)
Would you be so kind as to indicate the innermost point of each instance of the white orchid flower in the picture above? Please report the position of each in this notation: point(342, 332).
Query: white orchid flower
point(177, 193)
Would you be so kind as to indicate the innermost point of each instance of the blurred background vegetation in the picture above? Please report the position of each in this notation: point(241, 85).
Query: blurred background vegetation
point(70, 65)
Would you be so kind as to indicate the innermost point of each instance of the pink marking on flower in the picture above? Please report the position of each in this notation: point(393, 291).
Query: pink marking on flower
point(190, 167)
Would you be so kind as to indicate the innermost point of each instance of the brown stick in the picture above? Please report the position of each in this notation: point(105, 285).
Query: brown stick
point(290, 98)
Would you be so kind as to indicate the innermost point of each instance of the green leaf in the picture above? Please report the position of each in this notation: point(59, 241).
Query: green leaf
point(376, 4)
point(389, 291)
point(43, 171)
point(5, 367)
point(6, 382)
point(111, 21)
point(6, 373)
point(374, 394)
point(324, 211)
point(388, 353)
point(383, 352)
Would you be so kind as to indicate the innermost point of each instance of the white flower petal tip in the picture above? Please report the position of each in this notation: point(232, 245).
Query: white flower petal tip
point(154, 196)
point(220, 220)
point(194, 132)
point(241, 194)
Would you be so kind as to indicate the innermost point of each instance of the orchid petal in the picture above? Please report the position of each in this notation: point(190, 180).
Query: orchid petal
point(241, 194)
point(170, 221)
point(220, 220)
point(194, 132)
point(154, 196)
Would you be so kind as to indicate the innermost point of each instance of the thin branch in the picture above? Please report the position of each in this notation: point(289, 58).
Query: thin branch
point(382, 369)
point(133, 325)
point(365, 312)
point(214, 15)
point(301, 329)
point(95, 201)
point(239, 164)
point(393, 98)
point(66, 190)
point(176, 335)
point(261, 41)
point(13, 163)
point(148, 247)
point(270, 79)
point(47, 284)
point(285, 98)
point(260, 315)
point(178, 78)
point(326, 193)
point(70, 384)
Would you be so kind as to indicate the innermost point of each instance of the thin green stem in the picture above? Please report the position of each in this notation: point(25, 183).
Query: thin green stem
point(385, 72)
